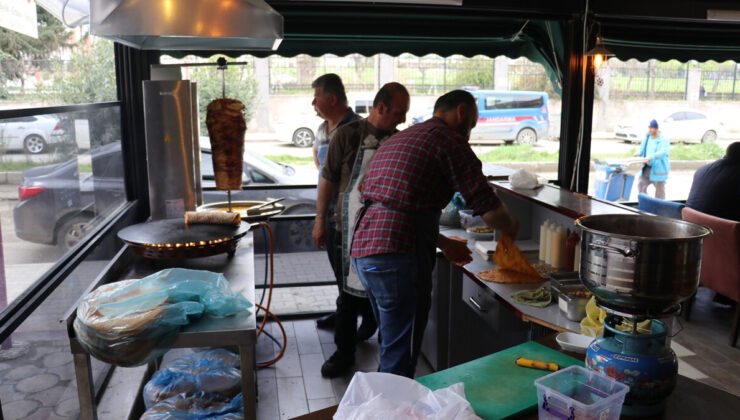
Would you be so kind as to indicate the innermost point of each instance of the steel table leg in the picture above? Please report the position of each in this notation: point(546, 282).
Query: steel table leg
point(247, 358)
point(85, 389)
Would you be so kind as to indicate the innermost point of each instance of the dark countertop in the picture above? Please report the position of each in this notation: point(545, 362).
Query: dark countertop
point(563, 201)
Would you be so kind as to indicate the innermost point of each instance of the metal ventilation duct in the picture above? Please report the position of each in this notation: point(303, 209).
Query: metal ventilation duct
point(188, 24)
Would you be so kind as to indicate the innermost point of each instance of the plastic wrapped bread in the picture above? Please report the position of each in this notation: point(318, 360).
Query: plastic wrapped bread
point(132, 322)
point(212, 217)
point(226, 128)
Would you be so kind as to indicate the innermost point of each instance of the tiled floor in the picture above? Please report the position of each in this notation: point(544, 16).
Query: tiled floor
point(294, 385)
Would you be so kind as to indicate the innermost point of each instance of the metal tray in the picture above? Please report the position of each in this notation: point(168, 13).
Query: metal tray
point(241, 207)
point(172, 238)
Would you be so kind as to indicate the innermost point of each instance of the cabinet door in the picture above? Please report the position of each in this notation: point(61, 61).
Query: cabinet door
point(479, 324)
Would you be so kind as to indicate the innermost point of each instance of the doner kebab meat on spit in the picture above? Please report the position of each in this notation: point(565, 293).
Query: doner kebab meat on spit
point(226, 128)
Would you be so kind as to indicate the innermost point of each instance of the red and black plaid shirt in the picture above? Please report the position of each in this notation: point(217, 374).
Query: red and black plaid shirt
point(416, 170)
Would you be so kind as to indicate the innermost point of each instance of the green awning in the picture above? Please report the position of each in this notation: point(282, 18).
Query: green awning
point(395, 34)
point(701, 41)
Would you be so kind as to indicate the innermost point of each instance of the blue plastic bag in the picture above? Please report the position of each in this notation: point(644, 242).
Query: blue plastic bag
point(213, 371)
point(202, 361)
point(224, 381)
point(132, 322)
point(197, 406)
point(449, 215)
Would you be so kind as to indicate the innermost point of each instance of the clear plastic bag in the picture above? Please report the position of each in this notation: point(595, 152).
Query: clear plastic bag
point(384, 396)
point(522, 178)
point(197, 406)
point(131, 322)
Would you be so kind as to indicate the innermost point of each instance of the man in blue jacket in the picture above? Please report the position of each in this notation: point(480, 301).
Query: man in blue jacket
point(655, 149)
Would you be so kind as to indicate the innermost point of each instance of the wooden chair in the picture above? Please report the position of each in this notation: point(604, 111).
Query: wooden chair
point(659, 207)
point(720, 265)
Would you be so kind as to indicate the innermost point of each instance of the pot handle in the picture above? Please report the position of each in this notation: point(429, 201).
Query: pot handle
point(629, 253)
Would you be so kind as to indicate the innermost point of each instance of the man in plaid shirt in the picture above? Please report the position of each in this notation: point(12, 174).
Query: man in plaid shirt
point(411, 179)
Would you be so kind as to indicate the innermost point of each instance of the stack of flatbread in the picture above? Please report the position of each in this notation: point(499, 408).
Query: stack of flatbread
point(513, 266)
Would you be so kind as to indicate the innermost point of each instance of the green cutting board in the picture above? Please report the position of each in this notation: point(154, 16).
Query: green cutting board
point(495, 386)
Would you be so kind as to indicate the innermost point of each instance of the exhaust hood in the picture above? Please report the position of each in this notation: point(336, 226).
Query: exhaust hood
point(188, 24)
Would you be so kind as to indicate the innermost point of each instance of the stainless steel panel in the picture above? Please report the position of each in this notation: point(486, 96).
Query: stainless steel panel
point(196, 143)
point(188, 24)
point(169, 148)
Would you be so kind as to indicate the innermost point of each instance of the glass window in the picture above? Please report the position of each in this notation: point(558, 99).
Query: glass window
point(61, 175)
point(514, 102)
point(695, 105)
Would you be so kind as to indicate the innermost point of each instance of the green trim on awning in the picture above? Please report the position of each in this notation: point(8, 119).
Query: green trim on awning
point(485, 37)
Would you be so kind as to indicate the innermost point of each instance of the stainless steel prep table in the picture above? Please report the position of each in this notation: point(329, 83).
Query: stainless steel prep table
point(238, 330)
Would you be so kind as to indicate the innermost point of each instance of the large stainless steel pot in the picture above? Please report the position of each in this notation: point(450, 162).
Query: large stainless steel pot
point(641, 265)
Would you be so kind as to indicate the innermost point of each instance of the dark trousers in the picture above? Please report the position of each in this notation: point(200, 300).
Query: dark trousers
point(345, 332)
point(334, 250)
point(348, 306)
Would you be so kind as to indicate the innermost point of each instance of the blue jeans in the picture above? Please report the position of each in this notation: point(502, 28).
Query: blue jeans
point(390, 281)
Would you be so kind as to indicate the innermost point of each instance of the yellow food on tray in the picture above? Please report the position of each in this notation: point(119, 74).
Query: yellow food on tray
point(481, 229)
point(502, 275)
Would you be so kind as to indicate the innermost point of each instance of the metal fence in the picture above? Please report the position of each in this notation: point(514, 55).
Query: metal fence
point(649, 80)
point(294, 75)
point(429, 75)
point(719, 82)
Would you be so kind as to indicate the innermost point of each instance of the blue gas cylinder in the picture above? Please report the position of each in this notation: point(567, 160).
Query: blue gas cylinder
point(644, 362)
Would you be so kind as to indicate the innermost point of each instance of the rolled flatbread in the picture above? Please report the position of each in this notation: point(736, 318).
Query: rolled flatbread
point(212, 217)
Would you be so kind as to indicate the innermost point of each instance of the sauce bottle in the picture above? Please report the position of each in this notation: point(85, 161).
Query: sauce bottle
point(570, 250)
point(544, 240)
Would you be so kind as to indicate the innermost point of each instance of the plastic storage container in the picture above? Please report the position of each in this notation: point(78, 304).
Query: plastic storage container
point(580, 394)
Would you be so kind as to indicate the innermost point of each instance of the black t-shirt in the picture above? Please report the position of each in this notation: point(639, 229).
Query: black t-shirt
point(716, 189)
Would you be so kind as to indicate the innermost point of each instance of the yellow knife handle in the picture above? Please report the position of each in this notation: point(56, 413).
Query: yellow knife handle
point(537, 364)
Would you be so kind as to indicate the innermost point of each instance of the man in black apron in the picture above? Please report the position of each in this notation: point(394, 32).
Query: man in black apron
point(349, 147)
point(412, 176)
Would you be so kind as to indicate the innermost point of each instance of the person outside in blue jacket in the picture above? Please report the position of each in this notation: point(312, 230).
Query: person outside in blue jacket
point(655, 149)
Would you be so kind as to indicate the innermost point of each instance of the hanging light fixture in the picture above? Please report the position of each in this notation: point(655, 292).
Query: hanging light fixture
point(599, 52)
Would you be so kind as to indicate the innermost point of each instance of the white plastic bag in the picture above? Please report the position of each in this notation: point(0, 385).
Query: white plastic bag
point(384, 396)
point(525, 179)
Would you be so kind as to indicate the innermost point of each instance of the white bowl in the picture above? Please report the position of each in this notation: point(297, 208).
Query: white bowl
point(479, 235)
point(574, 342)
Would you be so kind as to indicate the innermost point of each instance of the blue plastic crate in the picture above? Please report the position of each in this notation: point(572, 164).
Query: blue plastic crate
point(613, 185)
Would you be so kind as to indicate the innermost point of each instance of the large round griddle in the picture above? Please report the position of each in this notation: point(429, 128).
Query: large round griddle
point(172, 238)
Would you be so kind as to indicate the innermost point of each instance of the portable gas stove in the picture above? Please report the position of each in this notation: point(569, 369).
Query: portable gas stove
point(640, 357)
point(639, 268)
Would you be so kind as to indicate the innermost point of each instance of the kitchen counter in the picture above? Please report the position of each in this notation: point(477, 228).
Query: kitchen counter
point(563, 201)
point(549, 316)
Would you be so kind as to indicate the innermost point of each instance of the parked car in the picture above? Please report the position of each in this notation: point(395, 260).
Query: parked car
point(508, 116)
point(301, 128)
point(682, 125)
point(33, 134)
point(261, 174)
point(58, 205)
